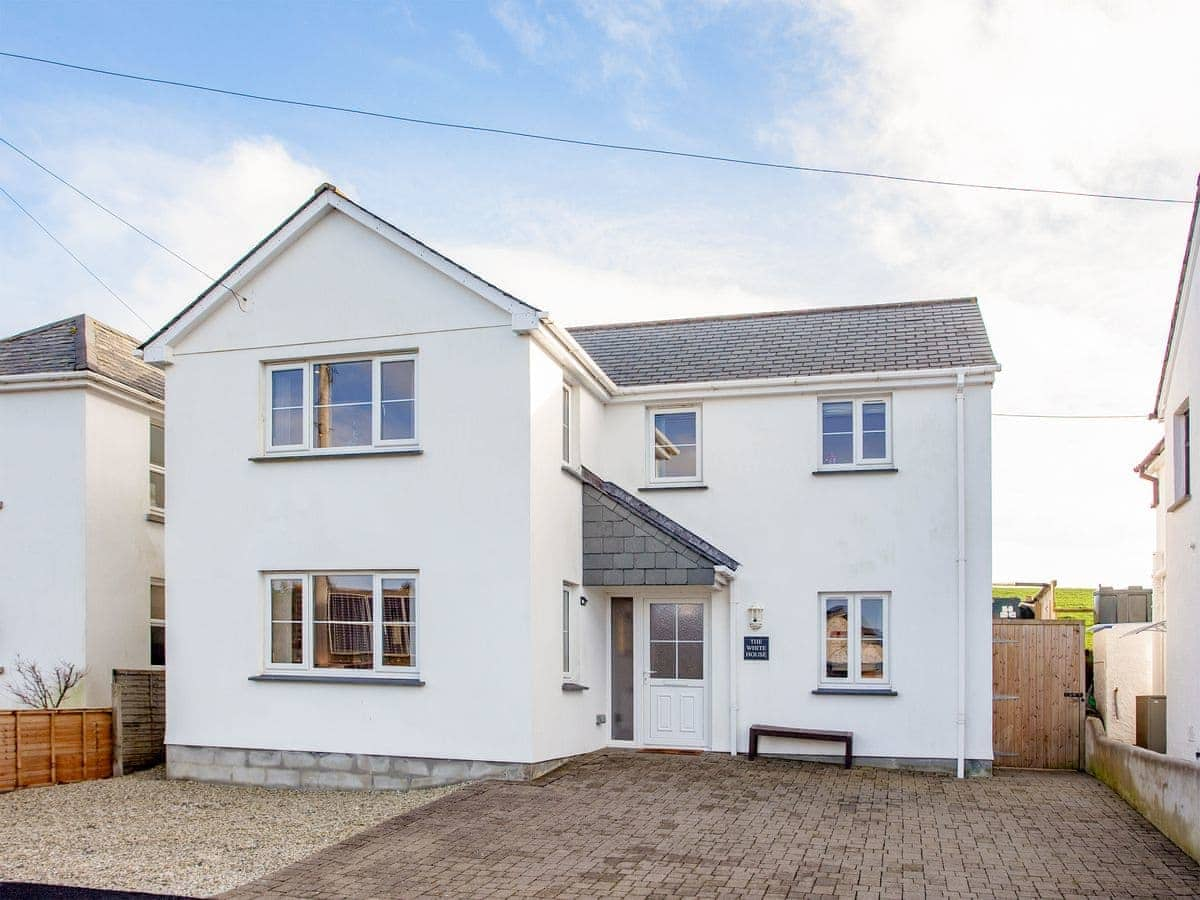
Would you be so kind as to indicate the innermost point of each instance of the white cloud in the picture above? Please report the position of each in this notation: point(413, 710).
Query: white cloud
point(209, 209)
point(472, 54)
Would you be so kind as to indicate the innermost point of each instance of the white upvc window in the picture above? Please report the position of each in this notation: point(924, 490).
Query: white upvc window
point(569, 649)
point(1182, 453)
point(855, 640)
point(568, 417)
point(673, 445)
point(158, 468)
point(856, 432)
point(333, 405)
point(323, 623)
point(158, 622)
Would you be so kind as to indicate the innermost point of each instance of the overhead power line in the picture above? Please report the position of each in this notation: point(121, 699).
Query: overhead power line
point(96, 203)
point(579, 142)
point(67, 250)
point(1141, 418)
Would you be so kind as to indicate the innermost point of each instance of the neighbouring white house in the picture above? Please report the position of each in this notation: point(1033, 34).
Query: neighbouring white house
point(1176, 559)
point(427, 534)
point(82, 490)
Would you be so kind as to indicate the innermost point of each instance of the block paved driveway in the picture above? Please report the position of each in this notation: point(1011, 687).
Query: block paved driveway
point(627, 824)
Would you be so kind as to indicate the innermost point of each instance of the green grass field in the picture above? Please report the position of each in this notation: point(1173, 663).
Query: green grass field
point(1069, 603)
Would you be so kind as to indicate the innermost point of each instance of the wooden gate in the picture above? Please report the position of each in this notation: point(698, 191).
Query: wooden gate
point(1037, 693)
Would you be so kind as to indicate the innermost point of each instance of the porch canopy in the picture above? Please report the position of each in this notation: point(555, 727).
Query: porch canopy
point(628, 542)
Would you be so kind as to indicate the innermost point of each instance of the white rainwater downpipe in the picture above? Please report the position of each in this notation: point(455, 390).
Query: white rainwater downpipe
point(960, 717)
point(733, 670)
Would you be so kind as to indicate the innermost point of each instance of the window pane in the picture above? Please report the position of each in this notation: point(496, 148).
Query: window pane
point(874, 416)
point(342, 404)
point(287, 388)
point(398, 422)
point(287, 599)
point(837, 647)
point(342, 621)
point(662, 621)
point(287, 627)
point(874, 424)
point(158, 490)
point(287, 642)
point(675, 445)
point(399, 648)
point(662, 659)
point(874, 445)
point(396, 379)
point(158, 601)
point(871, 627)
point(287, 427)
point(158, 645)
point(342, 426)
point(566, 631)
point(691, 660)
point(398, 600)
point(691, 622)
point(158, 454)
point(837, 433)
point(566, 420)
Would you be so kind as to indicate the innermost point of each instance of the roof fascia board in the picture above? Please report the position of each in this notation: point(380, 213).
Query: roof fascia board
point(158, 349)
point(86, 380)
point(561, 347)
point(1179, 311)
point(801, 384)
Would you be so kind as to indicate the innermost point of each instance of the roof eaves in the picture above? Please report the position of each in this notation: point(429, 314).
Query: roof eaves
point(1187, 256)
point(659, 520)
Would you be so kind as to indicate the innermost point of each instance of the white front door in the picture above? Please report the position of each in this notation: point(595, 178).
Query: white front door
point(676, 695)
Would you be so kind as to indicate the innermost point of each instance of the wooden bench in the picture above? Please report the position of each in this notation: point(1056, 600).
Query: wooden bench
point(803, 734)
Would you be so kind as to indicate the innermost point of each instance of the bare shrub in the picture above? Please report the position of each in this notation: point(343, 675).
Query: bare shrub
point(31, 687)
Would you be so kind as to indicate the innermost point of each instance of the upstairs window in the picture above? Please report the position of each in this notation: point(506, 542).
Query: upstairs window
point(340, 404)
point(1182, 453)
point(567, 396)
point(158, 469)
point(854, 643)
point(856, 432)
point(158, 623)
point(675, 446)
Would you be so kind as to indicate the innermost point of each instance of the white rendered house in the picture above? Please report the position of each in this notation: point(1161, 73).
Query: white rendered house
point(1170, 466)
point(427, 534)
point(82, 490)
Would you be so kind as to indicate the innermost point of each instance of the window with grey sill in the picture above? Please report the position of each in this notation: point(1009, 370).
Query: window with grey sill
point(855, 433)
point(675, 446)
point(158, 469)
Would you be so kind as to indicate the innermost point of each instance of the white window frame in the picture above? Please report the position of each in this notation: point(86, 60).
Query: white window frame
point(569, 631)
point(856, 405)
point(568, 425)
point(1181, 472)
point(306, 666)
point(651, 470)
point(157, 469)
point(158, 623)
point(306, 369)
point(854, 677)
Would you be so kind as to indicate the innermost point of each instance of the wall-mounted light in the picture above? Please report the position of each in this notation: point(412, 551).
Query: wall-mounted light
point(754, 615)
point(582, 600)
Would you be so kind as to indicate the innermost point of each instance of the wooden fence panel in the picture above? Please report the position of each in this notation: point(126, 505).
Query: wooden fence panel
point(139, 718)
point(1037, 693)
point(54, 746)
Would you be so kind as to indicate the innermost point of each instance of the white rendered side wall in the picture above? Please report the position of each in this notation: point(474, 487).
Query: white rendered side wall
point(42, 564)
point(124, 550)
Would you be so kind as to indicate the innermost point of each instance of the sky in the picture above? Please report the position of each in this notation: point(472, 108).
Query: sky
point(1076, 292)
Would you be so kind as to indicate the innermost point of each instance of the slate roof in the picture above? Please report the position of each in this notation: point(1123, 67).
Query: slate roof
point(929, 334)
point(656, 519)
point(78, 344)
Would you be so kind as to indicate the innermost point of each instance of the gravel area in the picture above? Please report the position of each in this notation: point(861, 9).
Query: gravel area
point(144, 832)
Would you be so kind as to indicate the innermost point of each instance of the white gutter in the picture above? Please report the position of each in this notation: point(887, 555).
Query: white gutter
point(80, 378)
point(960, 718)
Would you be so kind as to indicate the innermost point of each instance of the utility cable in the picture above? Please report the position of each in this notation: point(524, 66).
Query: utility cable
point(579, 142)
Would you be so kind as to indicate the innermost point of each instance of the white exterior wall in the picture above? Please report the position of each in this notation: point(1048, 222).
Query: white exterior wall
point(797, 535)
point(76, 551)
point(459, 513)
point(1181, 530)
point(42, 553)
point(1124, 670)
point(124, 549)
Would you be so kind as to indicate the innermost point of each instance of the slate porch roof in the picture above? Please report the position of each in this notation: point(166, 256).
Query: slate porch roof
point(889, 337)
point(79, 344)
point(658, 520)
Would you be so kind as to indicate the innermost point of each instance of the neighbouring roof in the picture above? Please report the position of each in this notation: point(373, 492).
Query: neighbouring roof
point(79, 344)
point(659, 520)
point(1178, 307)
point(889, 337)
